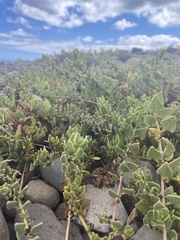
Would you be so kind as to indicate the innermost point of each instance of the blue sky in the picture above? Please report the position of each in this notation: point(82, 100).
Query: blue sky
point(29, 28)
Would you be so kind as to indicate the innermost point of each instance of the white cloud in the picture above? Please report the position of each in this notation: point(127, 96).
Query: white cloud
point(145, 42)
point(87, 39)
point(20, 20)
point(166, 17)
point(123, 24)
point(73, 13)
point(18, 33)
point(23, 41)
point(46, 27)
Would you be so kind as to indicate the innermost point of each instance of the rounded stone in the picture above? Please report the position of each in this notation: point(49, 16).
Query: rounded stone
point(40, 192)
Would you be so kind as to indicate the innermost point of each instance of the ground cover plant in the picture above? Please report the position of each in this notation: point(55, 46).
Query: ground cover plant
point(87, 109)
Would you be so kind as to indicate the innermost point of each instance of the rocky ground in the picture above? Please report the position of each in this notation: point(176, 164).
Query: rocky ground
point(45, 193)
point(44, 184)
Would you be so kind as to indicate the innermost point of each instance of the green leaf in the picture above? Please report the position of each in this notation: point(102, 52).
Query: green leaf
point(134, 147)
point(169, 71)
point(128, 131)
point(11, 204)
point(37, 228)
point(168, 191)
point(128, 191)
point(143, 206)
point(79, 153)
point(95, 158)
point(172, 235)
point(156, 105)
point(26, 205)
point(168, 150)
point(119, 151)
point(113, 194)
point(165, 171)
point(123, 167)
point(50, 94)
point(141, 132)
point(175, 166)
point(154, 154)
point(20, 227)
point(150, 120)
point(70, 147)
point(174, 199)
point(155, 131)
point(132, 166)
point(169, 123)
point(46, 106)
point(117, 225)
point(167, 112)
point(114, 176)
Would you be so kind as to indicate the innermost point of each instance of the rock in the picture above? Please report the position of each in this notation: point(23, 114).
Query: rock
point(12, 233)
point(4, 233)
point(2, 202)
point(102, 203)
point(53, 173)
point(40, 192)
point(52, 228)
point(133, 62)
point(146, 234)
point(74, 230)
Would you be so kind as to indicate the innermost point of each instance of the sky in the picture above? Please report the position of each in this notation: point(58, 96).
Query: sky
point(30, 28)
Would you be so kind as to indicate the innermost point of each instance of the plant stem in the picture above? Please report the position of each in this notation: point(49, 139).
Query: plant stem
point(162, 181)
point(84, 225)
point(68, 223)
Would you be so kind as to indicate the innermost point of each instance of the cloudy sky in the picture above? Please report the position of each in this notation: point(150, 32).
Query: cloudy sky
point(29, 28)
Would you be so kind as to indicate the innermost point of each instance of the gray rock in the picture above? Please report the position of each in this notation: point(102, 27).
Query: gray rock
point(2, 202)
point(147, 234)
point(12, 233)
point(52, 228)
point(53, 173)
point(102, 203)
point(4, 233)
point(74, 230)
point(40, 192)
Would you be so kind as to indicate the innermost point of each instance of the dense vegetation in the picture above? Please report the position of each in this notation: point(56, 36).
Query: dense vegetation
point(88, 108)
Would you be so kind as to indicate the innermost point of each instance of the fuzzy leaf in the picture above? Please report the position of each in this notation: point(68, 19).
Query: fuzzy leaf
point(175, 166)
point(20, 227)
point(150, 120)
point(167, 112)
point(134, 147)
point(143, 207)
point(141, 133)
point(114, 176)
point(154, 154)
point(132, 166)
point(128, 191)
point(11, 204)
point(169, 123)
point(123, 167)
point(165, 171)
point(155, 131)
point(37, 228)
point(113, 194)
point(26, 205)
point(79, 153)
point(172, 235)
point(174, 199)
point(119, 151)
point(156, 105)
